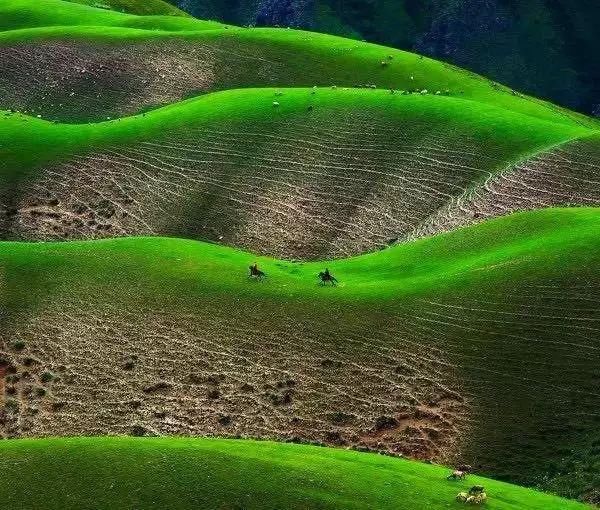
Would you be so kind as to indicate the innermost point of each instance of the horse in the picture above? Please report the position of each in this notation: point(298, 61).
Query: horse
point(326, 276)
point(256, 273)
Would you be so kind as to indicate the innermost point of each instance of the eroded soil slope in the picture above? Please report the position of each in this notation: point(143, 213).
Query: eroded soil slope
point(567, 175)
point(339, 172)
point(79, 80)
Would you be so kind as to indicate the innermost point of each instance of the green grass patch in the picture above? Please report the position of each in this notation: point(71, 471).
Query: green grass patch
point(20, 14)
point(177, 473)
point(145, 8)
point(540, 241)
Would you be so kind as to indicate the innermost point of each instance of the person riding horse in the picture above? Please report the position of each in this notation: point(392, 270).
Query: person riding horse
point(255, 272)
point(326, 276)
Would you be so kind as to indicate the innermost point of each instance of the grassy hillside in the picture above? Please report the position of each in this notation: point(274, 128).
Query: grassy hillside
point(135, 64)
point(208, 473)
point(19, 14)
point(147, 7)
point(499, 39)
point(440, 262)
point(477, 345)
point(326, 172)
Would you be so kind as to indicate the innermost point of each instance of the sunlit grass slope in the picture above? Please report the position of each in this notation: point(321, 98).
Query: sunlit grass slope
point(537, 241)
point(508, 136)
point(188, 474)
point(145, 7)
point(19, 14)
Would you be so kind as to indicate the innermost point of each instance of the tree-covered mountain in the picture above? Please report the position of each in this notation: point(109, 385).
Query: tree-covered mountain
point(543, 47)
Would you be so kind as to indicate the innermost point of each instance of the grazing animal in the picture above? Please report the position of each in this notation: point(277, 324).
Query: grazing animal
point(462, 497)
point(326, 276)
point(477, 500)
point(256, 273)
point(457, 474)
point(475, 496)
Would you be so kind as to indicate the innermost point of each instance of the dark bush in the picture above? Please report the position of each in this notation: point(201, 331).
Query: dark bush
point(46, 377)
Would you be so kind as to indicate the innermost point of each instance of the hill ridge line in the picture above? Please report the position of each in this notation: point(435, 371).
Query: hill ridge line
point(429, 225)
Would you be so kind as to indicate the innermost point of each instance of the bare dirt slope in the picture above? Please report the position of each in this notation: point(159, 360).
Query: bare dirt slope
point(567, 175)
point(330, 183)
point(79, 80)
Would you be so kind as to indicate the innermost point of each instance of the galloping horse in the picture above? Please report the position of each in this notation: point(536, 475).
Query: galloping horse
point(255, 272)
point(326, 276)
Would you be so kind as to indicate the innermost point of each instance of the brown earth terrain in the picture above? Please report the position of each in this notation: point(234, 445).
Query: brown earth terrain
point(77, 80)
point(326, 185)
point(223, 371)
point(568, 175)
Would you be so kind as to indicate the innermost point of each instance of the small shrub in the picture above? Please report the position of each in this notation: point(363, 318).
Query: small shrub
point(329, 363)
point(334, 437)
point(138, 431)
point(247, 388)
point(11, 405)
point(215, 379)
point(18, 345)
point(160, 386)
point(46, 377)
point(340, 418)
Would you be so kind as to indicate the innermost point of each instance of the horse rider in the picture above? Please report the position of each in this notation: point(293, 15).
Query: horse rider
point(256, 272)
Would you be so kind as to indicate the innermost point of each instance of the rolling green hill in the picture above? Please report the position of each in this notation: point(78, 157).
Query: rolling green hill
point(147, 7)
point(301, 151)
point(544, 48)
point(119, 70)
point(186, 474)
point(22, 14)
point(478, 345)
point(300, 173)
